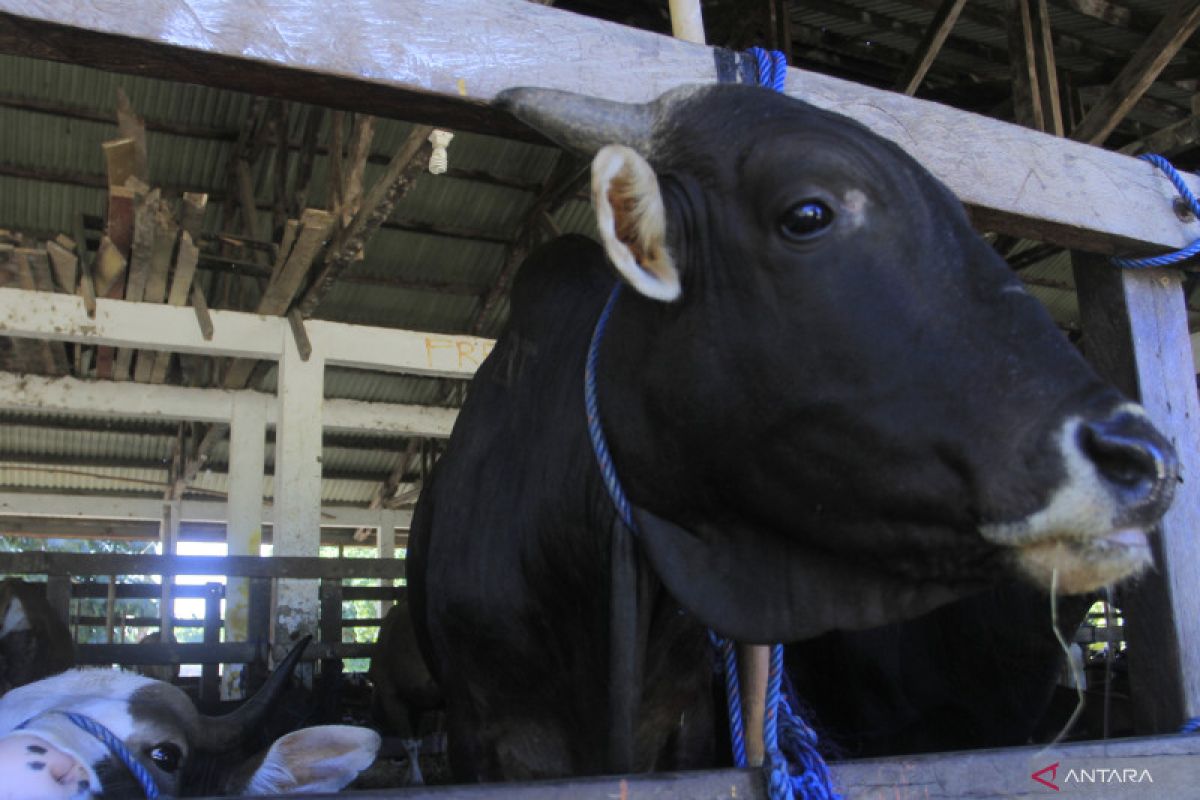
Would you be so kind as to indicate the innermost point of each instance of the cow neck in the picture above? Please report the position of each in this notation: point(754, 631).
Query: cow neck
point(624, 665)
point(113, 744)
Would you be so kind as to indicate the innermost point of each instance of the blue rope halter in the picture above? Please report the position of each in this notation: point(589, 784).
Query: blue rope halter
point(115, 746)
point(814, 782)
point(1193, 205)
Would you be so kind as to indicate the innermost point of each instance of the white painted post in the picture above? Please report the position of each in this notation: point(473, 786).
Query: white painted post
point(243, 532)
point(388, 522)
point(297, 524)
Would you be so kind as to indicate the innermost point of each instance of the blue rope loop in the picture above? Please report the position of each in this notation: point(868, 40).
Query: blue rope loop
point(772, 67)
point(1175, 257)
point(590, 401)
point(115, 746)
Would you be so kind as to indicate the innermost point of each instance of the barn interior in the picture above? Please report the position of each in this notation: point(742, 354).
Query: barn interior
point(118, 184)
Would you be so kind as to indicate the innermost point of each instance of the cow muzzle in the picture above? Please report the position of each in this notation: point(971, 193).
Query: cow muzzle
point(35, 769)
point(1120, 477)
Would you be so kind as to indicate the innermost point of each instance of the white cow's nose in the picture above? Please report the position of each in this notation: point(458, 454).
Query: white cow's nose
point(34, 769)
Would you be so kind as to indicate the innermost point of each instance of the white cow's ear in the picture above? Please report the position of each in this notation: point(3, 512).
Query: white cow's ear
point(320, 759)
point(632, 223)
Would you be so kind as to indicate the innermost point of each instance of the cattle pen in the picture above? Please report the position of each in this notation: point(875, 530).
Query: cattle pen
point(239, 308)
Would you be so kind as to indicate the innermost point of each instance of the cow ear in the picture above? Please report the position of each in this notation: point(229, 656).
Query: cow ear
point(324, 758)
point(632, 222)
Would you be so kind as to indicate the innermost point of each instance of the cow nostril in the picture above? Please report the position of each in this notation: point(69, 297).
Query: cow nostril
point(1129, 454)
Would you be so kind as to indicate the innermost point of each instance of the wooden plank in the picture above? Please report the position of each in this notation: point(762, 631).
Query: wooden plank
point(165, 236)
point(399, 176)
point(66, 266)
point(1169, 140)
point(1140, 72)
point(225, 652)
point(298, 567)
point(1027, 98)
point(145, 206)
point(1136, 334)
point(120, 160)
point(210, 677)
point(434, 69)
point(39, 265)
point(1045, 66)
point(362, 131)
point(131, 127)
point(181, 287)
point(929, 46)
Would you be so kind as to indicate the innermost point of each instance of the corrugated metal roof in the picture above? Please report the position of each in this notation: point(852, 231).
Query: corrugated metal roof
point(410, 279)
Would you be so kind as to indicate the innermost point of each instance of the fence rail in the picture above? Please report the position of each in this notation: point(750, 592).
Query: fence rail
point(61, 569)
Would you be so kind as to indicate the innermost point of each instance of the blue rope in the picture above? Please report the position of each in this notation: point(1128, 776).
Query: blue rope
point(1191, 726)
point(1167, 259)
point(599, 445)
point(733, 697)
point(115, 746)
point(772, 67)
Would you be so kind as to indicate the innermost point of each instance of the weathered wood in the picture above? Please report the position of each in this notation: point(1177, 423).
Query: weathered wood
point(1136, 334)
point(210, 677)
point(362, 131)
point(1169, 140)
point(120, 159)
point(132, 128)
point(376, 207)
point(203, 315)
point(222, 653)
point(1027, 98)
point(1045, 67)
point(303, 343)
point(1170, 762)
point(165, 236)
point(301, 567)
point(66, 266)
point(434, 69)
point(930, 45)
point(1140, 72)
point(33, 273)
point(181, 285)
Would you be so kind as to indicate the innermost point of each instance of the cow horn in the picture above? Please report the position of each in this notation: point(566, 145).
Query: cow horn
point(227, 731)
point(578, 122)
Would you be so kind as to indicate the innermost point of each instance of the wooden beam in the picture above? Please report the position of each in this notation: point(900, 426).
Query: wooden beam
point(435, 70)
point(1169, 140)
point(1027, 98)
point(1136, 334)
point(1046, 67)
point(181, 403)
point(401, 174)
point(1139, 73)
point(929, 46)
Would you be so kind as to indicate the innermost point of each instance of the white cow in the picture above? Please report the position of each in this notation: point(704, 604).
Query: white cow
point(96, 733)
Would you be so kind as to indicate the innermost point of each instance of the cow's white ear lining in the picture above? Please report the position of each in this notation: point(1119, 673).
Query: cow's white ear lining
point(632, 221)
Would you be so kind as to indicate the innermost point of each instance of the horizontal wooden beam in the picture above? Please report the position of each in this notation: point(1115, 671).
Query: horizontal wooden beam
point(77, 564)
point(108, 507)
point(196, 653)
point(1170, 760)
point(180, 403)
point(443, 62)
point(118, 323)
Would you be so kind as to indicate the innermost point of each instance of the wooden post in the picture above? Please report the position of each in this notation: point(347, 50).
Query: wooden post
point(297, 524)
point(1135, 333)
point(754, 662)
point(168, 536)
point(110, 609)
point(687, 23)
point(243, 532)
point(259, 632)
point(331, 614)
point(386, 544)
point(210, 673)
point(58, 594)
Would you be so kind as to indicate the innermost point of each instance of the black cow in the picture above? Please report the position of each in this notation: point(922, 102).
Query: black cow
point(404, 691)
point(34, 640)
point(831, 405)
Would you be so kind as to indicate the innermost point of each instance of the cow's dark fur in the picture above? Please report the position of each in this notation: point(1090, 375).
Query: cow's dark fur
point(40, 645)
point(812, 437)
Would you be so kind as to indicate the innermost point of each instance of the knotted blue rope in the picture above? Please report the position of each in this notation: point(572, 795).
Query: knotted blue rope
point(1193, 205)
point(115, 746)
point(772, 67)
point(788, 740)
point(1191, 726)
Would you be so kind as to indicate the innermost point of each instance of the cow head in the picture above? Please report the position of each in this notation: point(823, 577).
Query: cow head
point(51, 747)
point(831, 402)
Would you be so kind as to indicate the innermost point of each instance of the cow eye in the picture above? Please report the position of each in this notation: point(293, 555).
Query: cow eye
point(166, 756)
point(805, 220)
